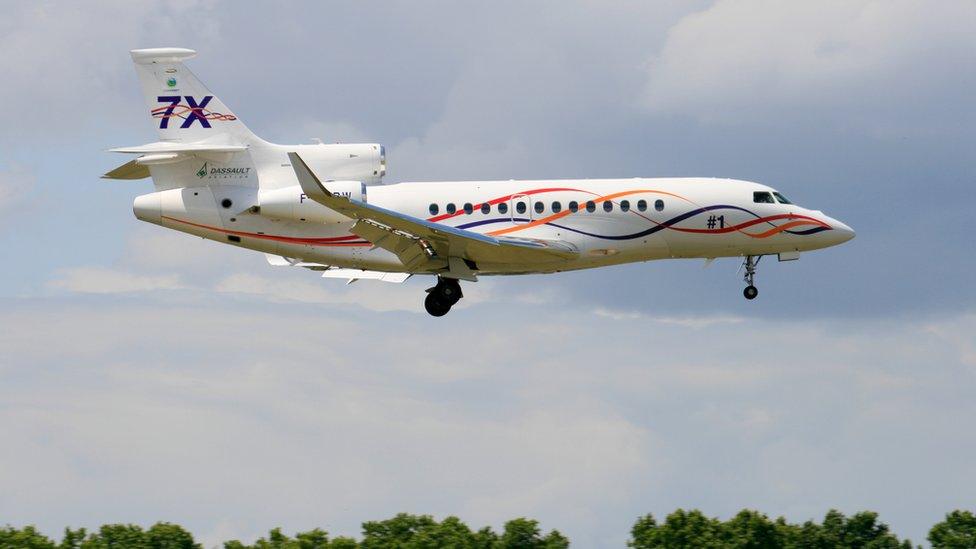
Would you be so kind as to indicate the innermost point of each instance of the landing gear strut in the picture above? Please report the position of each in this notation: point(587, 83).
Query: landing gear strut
point(750, 265)
point(443, 296)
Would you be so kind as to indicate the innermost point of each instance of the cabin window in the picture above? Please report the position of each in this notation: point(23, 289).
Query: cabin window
point(556, 207)
point(486, 208)
point(468, 208)
point(625, 205)
point(539, 207)
point(781, 199)
point(227, 203)
point(642, 205)
point(573, 206)
point(762, 197)
point(607, 206)
point(502, 207)
point(433, 209)
point(520, 207)
point(659, 205)
point(451, 208)
point(590, 206)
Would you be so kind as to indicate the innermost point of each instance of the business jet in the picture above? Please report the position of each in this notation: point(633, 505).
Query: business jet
point(324, 207)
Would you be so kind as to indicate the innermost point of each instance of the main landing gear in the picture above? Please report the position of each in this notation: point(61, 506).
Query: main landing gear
point(750, 265)
point(443, 296)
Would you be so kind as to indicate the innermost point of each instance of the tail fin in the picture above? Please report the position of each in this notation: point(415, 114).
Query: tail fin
point(182, 108)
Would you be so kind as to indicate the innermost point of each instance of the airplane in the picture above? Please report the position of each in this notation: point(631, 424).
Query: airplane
point(324, 206)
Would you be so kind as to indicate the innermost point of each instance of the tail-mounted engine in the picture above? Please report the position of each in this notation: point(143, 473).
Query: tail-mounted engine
point(291, 203)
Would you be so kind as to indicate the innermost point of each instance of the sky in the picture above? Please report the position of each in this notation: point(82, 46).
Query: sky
point(147, 375)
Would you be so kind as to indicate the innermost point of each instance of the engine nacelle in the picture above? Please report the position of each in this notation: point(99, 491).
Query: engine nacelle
point(364, 162)
point(292, 204)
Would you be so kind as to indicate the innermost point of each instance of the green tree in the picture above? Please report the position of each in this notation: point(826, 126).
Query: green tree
point(450, 532)
point(407, 531)
point(164, 535)
point(24, 538)
point(860, 531)
point(644, 533)
point(344, 543)
point(555, 540)
point(72, 538)
point(313, 539)
point(689, 529)
point(485, 538)
point(398, 531)
point(957, 531)
point(808, 536)
point(523, 533)
point(752, 530)
point(117, 536)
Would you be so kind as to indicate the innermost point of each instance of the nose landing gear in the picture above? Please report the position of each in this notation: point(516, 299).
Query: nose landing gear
point(750, 292)
point(443, 296)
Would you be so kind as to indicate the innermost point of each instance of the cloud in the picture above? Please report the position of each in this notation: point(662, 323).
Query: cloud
point(236, 396)
point(295, 414)
point(66, 78)
point(687, 321)
point(100, 280)
point(769, 63)
point(16, 184)
point(372, 295)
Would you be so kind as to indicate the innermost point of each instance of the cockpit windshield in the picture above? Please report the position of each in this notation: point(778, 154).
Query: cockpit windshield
point(782, 199)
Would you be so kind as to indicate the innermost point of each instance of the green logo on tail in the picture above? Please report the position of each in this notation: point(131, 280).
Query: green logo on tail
point(202, 172)
point(171, 82)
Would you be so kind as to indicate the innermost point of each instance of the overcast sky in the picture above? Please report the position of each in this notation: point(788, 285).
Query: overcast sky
point(148, 375)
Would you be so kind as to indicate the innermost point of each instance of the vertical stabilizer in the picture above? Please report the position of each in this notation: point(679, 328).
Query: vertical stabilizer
point(180, 105)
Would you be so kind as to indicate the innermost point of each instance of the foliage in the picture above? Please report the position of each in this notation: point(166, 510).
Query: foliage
point(754, 530)
point(957, 531)
point(682, 529)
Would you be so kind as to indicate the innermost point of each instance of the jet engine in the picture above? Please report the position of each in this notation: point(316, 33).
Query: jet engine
point(292, 204)
point(364, 162)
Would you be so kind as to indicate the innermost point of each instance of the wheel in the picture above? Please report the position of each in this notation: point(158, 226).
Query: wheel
point(434, 306)
point(448, 291)
point(750, 292)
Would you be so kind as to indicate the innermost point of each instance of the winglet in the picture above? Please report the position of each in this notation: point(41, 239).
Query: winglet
point(311, 186)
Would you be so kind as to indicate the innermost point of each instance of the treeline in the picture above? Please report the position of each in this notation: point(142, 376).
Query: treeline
point(679, 530)
point(754, 530)
point(402, 531)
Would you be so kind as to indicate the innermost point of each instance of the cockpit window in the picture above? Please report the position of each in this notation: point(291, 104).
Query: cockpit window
point(781, 199)
point(762, 197)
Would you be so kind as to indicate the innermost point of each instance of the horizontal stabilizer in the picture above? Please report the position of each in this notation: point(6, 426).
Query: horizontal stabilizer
point(171, 147)
point(168, 152)
point(129, 170)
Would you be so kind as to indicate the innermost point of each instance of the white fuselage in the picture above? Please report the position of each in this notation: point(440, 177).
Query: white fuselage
point(610, 221)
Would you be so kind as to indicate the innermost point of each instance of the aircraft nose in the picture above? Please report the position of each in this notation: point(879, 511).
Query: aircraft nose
point(842, 232)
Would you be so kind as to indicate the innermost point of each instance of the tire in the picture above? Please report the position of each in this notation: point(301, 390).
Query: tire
point(750, 292)
point(448, 291)
point(434, 306)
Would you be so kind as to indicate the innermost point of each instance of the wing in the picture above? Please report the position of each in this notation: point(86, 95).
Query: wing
point(425, 246)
